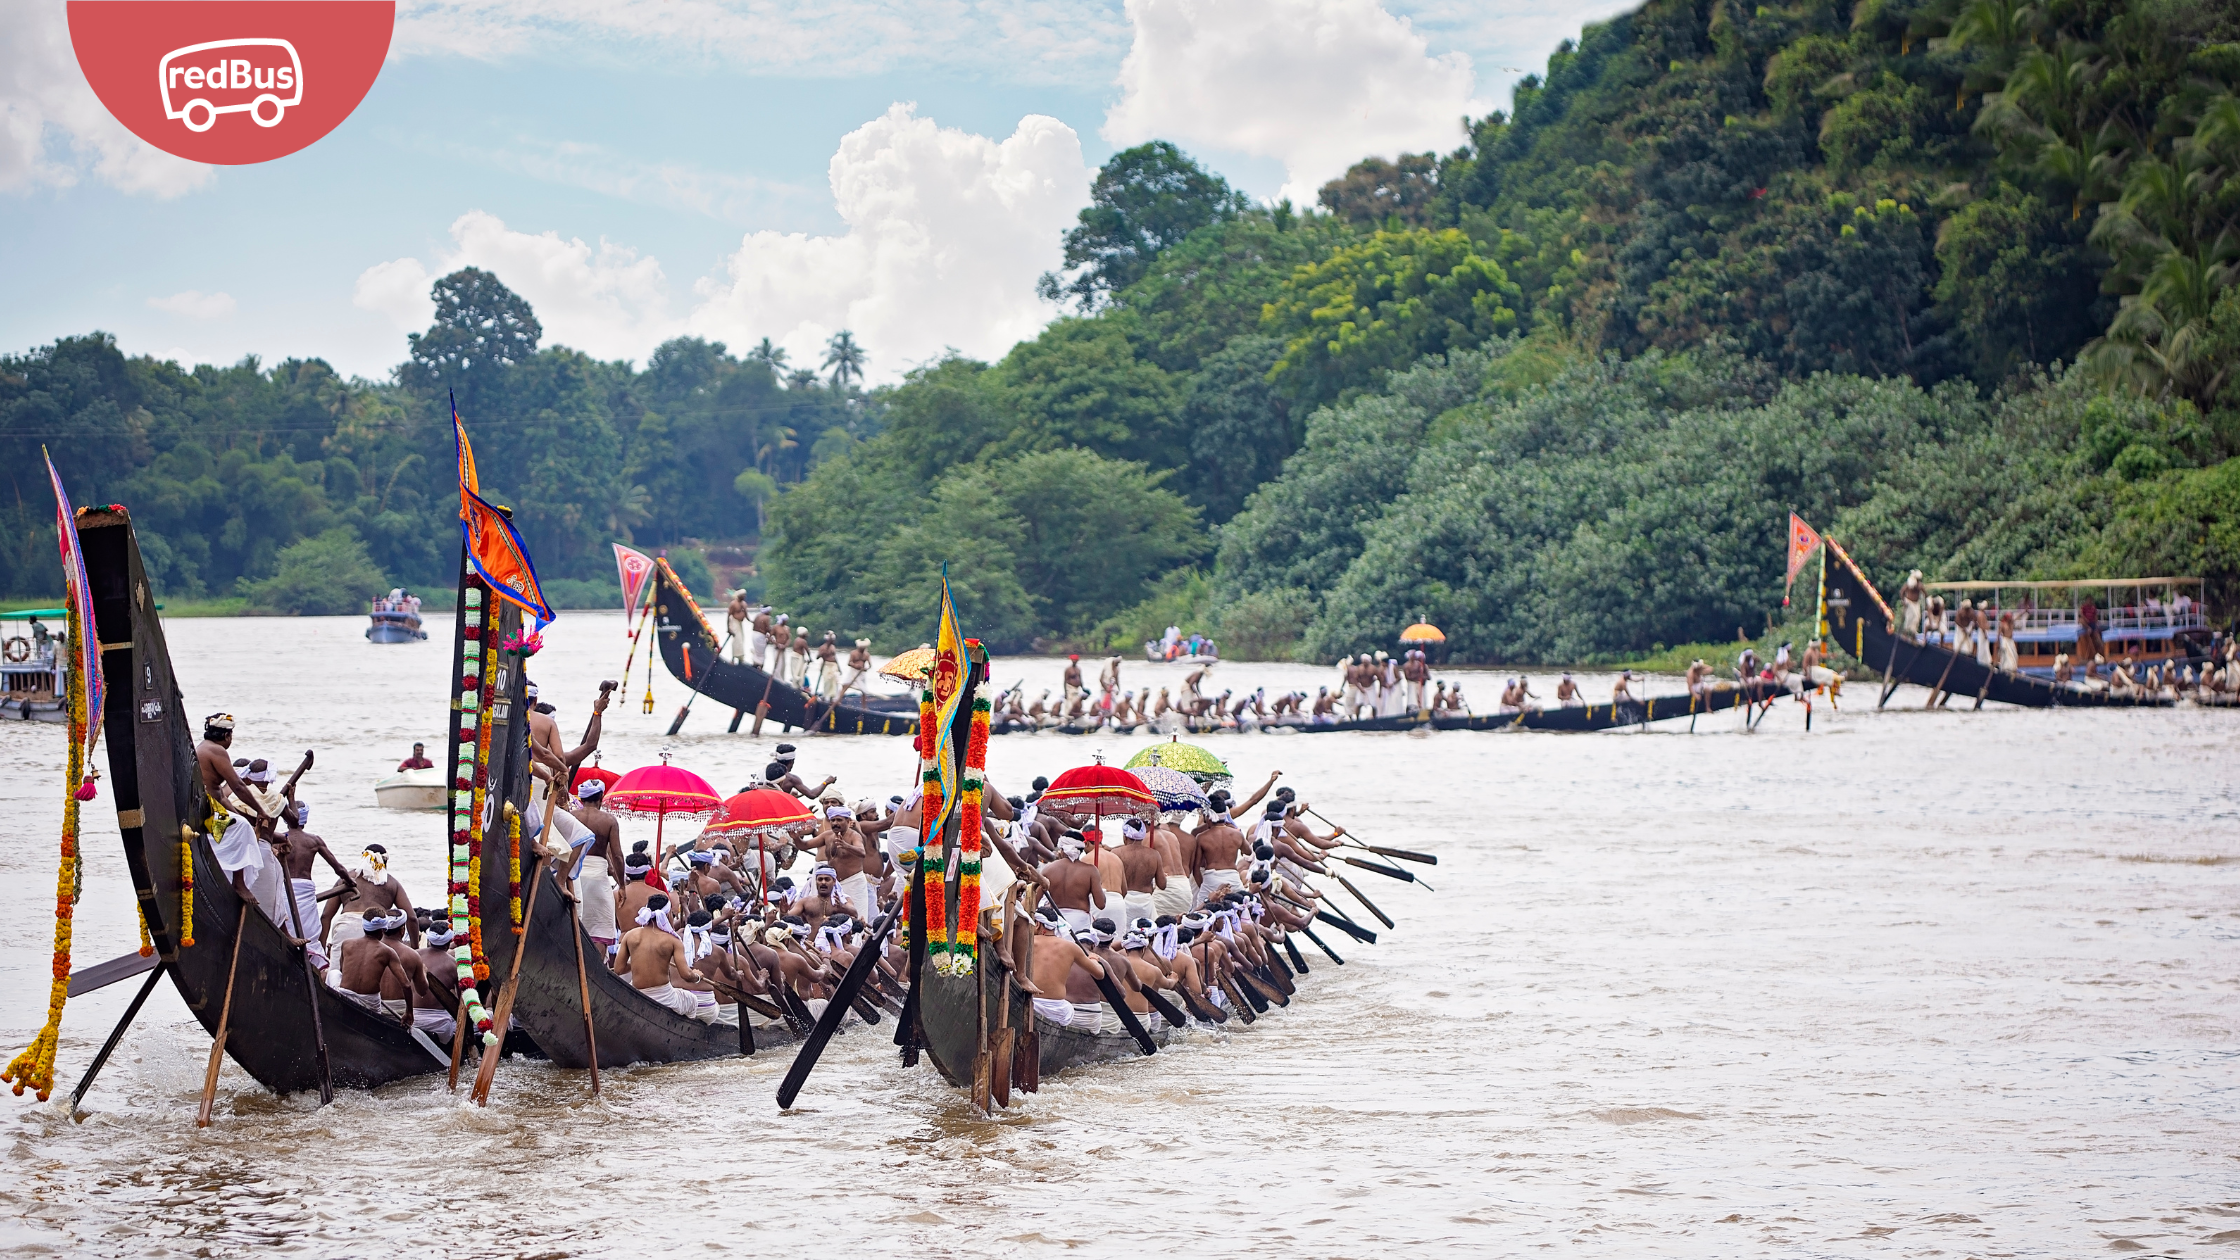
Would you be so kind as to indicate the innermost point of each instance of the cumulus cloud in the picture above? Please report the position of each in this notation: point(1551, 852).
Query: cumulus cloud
point(54, 130)
point(605, 300)
point(1313, 84)
point(192, 304)
point(946, 233)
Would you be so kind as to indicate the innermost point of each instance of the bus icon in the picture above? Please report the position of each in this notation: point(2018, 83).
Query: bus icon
point(264, 84)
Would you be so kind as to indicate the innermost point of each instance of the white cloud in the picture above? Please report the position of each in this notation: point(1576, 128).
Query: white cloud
point(946, 233)
point(44, 98)
point(192, 304)
point(607, 301)
point(1314, 84)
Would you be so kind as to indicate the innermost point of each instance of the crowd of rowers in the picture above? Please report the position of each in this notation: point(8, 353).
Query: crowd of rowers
point(1367, 687)
point(713, 922)
point(765, 638)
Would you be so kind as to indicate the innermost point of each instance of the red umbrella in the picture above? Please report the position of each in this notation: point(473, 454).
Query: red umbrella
point(762, 812)
point(587, 773)
point(661, 791)
point(1100, 789)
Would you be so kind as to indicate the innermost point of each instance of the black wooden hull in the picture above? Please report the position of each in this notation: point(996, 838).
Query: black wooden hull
point(630, 1027)
point(1868, 634)
point(690, 651)
point(156, 788)
point(1397, 722)
point(1604, 717)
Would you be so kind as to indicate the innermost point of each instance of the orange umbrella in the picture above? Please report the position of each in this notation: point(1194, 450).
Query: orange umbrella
point(1423, 632)
point(911, 666)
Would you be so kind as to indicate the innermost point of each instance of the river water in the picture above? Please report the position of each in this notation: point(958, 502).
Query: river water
point(1908, 984)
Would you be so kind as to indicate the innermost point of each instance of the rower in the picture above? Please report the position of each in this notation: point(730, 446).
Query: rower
point(758, 639)
point(735, 626)
point(1214, 848)
point(1062, 967)
point(652, 956)
point(297, 850)
point(779, 773)
point(375, 976)
point(1143, 871)
point(235, 846)
point(1074, 883)
point(435, 996)
point(1072, 681)
point(1622, 691)
point(828, 667)
point(368, 893)
point(823, 901)
point(859, 668)
point(1911, 600)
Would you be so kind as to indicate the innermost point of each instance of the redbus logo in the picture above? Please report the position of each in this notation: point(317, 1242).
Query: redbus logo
point(233, 78)
point(171, 69)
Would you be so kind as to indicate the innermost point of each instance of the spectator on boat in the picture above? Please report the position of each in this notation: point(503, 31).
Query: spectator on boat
point(1910, 599)
point(418, 760)
point(2009, 657)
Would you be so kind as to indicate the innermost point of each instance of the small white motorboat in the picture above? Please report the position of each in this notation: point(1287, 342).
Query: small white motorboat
point(411, 789)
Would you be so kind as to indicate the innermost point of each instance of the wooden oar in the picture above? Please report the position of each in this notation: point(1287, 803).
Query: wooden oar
point(225, 1018)
point(1390, 872)
point(762, 708)
point(502, 1016)
point(1357, 932)
point(1237, 1003)
point(313, 982)
point(583, 982)
point(1382, 917)
point(1298, 960)
point(1003, 1046)
point(835, 1010)
point(109, 1047)
point(1210, 1014)
point(1428, 859)
point(1309, 934)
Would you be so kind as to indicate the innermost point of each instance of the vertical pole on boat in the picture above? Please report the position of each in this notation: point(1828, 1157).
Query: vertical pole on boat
point(312, 985)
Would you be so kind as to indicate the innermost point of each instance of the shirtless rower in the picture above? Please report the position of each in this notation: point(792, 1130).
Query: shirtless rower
point(373, 891)
point(758, 639)
point(435, 993)
point(859, 669)
point(1074, 884)
point(544, 733)
point(823, 900)
point(375, 976)
point(297, 850)
point(236, 845)
point(1621, 692)
point(1143, 871)
point(780, 637)
point(652, 956)
point(1214, 848)
point(780, 775)
point(1172, 894)
point(843, 847)
point(1417, 672)
point(635, 892)
point(1072, 682)
point(1063, 967)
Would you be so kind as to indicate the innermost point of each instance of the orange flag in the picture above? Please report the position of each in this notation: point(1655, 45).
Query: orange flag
point(494, 546)
point(1803, 541)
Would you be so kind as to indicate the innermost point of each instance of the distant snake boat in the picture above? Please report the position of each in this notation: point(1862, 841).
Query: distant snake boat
point(156, 787)
point(692, 652)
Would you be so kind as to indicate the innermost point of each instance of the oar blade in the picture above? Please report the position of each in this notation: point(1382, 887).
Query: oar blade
point(835, 1010)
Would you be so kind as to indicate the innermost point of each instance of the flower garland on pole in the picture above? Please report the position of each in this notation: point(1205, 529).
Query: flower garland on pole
point(34, 1068)
point(469, 775)
point(933, 849)
point(965, 949)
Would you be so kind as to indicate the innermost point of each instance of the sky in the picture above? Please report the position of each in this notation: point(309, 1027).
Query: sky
point(732, 169)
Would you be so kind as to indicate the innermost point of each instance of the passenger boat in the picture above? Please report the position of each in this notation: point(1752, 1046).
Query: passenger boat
point(411, 789)
point(1870, 634)
point(2162, 616)
point(691, 651)
point(396, 619)
point(156, 787)
point(34, 676)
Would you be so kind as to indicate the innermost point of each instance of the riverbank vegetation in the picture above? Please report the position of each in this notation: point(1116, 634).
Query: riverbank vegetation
point(1952, 278)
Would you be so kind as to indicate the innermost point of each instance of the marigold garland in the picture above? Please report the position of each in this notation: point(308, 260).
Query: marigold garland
point(147, 944)
point(34, 1068)
point(186, 887)
point(513, 865)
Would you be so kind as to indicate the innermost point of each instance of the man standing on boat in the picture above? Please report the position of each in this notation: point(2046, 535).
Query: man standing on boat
point(736, 619)
point(297, 850)
point(418, 760)
point(1074, 883)
point(235, 846)
point(1911, 598)
point(1074, 689)
point(758, 639)
point(859, 668)
point(828, 667)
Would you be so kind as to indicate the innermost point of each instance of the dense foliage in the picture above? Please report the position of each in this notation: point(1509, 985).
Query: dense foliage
point(1954, 278)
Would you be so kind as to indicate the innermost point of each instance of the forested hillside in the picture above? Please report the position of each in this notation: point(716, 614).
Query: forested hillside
point(1955, 280)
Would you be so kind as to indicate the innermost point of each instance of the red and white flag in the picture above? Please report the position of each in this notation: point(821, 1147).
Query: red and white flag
point(632, 567)
point(1803, 541)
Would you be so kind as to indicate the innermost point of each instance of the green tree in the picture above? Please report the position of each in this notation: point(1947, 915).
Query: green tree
point(481, 328)
point(1379, 305)
point(1093, 532)
point(327, 575)
point(1375, 193)
point(844, 359)
point(1081, 384)
point(1143, 201)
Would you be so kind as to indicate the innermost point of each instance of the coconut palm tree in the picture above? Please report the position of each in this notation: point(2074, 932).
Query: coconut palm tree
point(844, 357)
point(770, 356)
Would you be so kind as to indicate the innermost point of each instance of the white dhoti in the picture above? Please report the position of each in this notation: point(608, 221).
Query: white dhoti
point(307, 913)
point(704, 1007)
point(595, 889)
point(1056, 1011)
point(434, 1021)
point(1078, 920)
point(857, 889)
point(1215, 882)
point(374, 1002)
point(237, 847)
point(1819, 676)
point(1137, 905)
point(347, 926)
point(853, 681)
point(1087, 1016)
point(828, 680)
point(727, 1014)
point(758, 650)
point(737, 638)
point(682, 1001)
point(1174, 899)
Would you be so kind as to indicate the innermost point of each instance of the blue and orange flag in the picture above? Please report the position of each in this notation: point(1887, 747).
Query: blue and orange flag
point(950, 669)
point(494, 546)
point(1803, 541)
point(86, 657)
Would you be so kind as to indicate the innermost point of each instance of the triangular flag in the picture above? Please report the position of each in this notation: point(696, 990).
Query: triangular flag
point(631, 567)
point(1803, 541)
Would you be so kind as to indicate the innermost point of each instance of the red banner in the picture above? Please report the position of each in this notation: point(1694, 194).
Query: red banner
point(632, 567)
point(1803, 541)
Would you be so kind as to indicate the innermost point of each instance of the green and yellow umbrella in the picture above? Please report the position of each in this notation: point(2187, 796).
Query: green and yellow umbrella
point(1210, 771)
